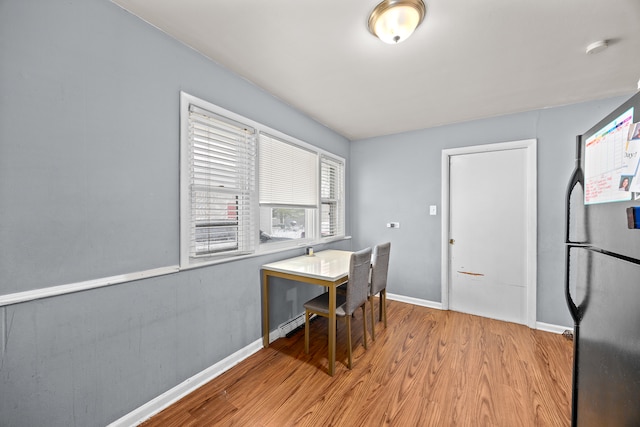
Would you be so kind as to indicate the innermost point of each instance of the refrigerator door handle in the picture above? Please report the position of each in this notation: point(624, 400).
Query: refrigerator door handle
point(573, 308)
point(577, 177)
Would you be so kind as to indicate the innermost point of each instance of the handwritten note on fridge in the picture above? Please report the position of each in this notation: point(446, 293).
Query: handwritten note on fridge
point(611, 161)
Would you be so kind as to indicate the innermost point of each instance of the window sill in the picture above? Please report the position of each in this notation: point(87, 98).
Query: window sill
point(222, 260)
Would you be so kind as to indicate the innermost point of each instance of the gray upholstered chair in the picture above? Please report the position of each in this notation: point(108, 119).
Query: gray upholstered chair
point(356, 296)
point(379, 272)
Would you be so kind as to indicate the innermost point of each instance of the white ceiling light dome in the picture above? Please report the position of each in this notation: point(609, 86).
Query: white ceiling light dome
point(393, 21)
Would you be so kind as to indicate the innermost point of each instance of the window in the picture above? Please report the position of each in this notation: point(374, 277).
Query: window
point(288, 191)
point(219, 161)
point(245, 187)
point(331, 193)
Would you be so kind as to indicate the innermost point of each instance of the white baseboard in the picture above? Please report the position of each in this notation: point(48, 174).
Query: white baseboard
point(556, 329)
point(548, 327)
point(169, 397)
point(274, 335)
point(415, 301)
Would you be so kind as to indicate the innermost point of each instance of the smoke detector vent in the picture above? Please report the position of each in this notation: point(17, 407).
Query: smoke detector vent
point(596, 47)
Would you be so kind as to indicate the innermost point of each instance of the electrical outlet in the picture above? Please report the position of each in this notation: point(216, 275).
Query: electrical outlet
point(393, 225)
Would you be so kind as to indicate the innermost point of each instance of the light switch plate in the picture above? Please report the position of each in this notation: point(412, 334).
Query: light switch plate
point(433, 210)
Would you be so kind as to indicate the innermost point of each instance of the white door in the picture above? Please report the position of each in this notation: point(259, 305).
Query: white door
point(487, 232)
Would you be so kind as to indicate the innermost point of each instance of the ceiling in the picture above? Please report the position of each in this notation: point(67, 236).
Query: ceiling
point(469, 59)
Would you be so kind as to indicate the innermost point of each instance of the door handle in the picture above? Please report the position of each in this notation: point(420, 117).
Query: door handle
point(451, 241)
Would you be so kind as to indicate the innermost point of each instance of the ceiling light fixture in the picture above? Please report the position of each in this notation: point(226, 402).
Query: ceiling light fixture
point(393, 21)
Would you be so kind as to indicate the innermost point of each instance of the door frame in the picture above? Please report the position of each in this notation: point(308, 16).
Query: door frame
point(530, 147)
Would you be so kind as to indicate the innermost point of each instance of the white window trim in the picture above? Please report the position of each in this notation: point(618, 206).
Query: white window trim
point(261, 249)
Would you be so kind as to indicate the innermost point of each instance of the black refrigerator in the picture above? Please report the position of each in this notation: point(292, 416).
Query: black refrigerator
point(602, 276)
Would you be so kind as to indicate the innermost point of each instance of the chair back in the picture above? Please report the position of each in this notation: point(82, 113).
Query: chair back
point(358, 288)
point(380, 267)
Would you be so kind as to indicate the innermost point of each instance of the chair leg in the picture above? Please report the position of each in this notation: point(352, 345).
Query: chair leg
point(383, 306)
point(373, 319)
point(364, 323)
point(348, 319)
point(306, 331)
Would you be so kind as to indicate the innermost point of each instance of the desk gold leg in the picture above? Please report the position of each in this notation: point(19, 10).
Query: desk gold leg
point(332, 329)
point(265, 309)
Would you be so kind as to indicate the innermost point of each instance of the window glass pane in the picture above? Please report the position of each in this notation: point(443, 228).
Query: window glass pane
point(284, 224)
point(328, 218)
point(216, 237)
point(216, 222)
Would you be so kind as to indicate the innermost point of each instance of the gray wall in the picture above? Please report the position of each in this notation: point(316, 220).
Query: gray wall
point(396, 178)
point(89, 170)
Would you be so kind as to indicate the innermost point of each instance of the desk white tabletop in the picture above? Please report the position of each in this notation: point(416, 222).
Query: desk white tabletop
point(325, 265)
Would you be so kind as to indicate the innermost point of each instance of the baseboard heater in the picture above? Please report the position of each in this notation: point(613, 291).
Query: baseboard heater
point(291, 327)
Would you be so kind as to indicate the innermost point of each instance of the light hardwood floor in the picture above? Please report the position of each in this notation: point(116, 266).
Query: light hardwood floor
point(428, 368)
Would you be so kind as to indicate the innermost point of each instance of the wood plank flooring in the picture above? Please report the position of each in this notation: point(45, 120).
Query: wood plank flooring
point(428, 368)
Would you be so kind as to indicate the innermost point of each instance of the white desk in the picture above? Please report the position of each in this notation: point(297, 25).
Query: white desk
point(325, 268)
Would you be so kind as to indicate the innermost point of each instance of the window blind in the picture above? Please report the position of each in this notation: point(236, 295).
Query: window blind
point(222, 184)
point(331, 185)
point(288, 174)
